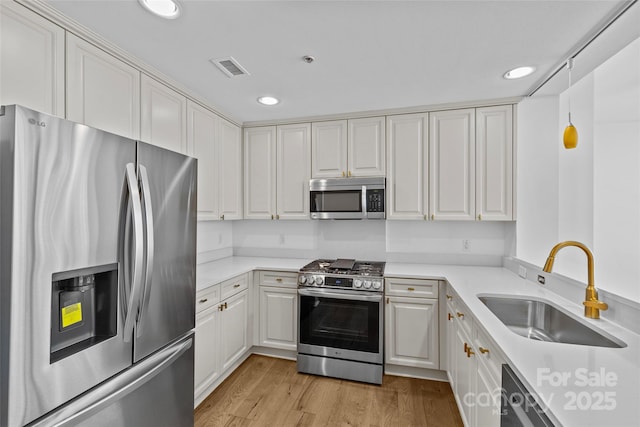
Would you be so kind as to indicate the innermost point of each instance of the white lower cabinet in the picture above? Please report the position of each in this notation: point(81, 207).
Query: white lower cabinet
point(474, 366)
point(222, 332)
point(411, 325)
point(278, 310)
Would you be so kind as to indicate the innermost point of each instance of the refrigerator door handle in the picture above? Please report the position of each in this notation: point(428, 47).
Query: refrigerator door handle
point(115, 389)
point(131, 187)
point(148, 218)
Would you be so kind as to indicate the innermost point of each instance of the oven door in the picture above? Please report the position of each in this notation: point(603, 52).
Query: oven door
point(340, 324)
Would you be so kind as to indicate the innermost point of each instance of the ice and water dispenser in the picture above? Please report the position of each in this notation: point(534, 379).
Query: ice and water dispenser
point(83, 309)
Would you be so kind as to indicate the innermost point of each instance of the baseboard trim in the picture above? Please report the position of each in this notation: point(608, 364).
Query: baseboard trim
point(412, 372)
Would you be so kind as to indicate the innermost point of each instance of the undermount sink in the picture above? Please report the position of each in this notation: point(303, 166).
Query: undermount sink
point(542, 321)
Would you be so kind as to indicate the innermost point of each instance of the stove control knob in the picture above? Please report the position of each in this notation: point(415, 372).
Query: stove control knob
point(311, 281)
point(367, 284)
point(302, 279)
point(319, 280)
point(376, 284)
point(357, 283)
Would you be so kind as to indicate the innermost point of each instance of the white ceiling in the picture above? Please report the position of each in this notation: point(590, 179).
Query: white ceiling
point(370, 55)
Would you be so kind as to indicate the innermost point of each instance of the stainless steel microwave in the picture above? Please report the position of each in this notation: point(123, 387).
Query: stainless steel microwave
point(347, 198)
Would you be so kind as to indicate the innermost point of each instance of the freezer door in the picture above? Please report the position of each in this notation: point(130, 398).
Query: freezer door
point(156, 392)
point(167, 307)
point(62, 184)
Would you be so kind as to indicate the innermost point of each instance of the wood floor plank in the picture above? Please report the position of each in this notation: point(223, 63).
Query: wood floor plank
point(266, 391)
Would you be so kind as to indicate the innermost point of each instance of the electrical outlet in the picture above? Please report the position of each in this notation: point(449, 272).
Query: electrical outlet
point(522, 271)
point(281, 239)
point(466, 245)
point(541, 279)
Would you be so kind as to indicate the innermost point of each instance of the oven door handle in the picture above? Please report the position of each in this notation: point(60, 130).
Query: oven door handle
point(354, 296)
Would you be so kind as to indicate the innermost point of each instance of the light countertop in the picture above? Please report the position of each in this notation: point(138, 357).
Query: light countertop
point(566, 377)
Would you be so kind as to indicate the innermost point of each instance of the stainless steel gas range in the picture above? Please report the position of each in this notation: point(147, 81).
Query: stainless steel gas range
point(340, 319)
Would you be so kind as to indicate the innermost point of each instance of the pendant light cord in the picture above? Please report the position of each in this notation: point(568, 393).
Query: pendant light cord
point(569, 67)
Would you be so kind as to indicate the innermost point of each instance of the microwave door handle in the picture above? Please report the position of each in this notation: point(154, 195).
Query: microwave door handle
point(364, 202)
point(131, 183)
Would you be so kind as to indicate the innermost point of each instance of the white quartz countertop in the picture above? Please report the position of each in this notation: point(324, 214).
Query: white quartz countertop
point(581, 385)
point(210, 273)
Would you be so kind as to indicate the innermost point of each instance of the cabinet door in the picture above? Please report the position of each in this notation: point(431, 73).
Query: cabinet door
point(293, 171)
point(412, 332)
point(164, 116)
point(102, 91)
point(494, 163)
point(278, 317)
point(201, 139)
point(465, 378)
point(230, 170)
point(452, 164)
point(207, 367)
point(234, 339)
point(407, 172)
point(366, 152)
point(487, 398)
point(31, 60)
point(329, 149)
point(260, 173)
point(452, 345)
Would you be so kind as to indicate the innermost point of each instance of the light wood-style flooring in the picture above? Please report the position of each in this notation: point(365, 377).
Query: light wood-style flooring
point(266, 391)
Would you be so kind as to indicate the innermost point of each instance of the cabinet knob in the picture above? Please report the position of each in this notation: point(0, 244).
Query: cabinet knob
point(225, 305)
point(479, 217)
point(277, 216)
point(411, 289)
point(349, 173)
point(466, 347)
point(271, 216)
point(425, 217)
point(279, 279)
point(387, 300)
point(449, 316)
point(237, 285)
point(449, 297)
point(459, 314)
point(343, 174)
point(222, 217)
point(470, 352)
point(220, 307)
point(433, 217)
point(203, 300)
point(483, 350)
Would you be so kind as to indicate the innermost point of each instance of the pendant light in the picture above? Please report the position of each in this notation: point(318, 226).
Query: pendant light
point(570, 136)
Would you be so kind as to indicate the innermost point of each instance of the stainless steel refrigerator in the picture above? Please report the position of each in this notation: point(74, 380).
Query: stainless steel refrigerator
point(97, 276)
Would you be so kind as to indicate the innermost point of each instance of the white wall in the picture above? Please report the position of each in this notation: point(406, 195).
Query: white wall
point(399, 241)
point(591, 193)
point(214, 240)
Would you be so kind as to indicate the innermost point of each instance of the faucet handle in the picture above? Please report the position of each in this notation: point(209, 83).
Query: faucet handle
point(596, 304)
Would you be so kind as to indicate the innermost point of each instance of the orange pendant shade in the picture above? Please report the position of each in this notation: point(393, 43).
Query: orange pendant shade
point(570, 137)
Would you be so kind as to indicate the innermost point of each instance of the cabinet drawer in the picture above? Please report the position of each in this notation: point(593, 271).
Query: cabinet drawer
point(411, 287)
point(233, 286)
point(207, 298)
point(488, 352)
point(279, 278)
point(464, 317)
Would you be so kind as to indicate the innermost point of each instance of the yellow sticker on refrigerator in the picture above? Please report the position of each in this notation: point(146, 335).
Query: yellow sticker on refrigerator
point(71, 314)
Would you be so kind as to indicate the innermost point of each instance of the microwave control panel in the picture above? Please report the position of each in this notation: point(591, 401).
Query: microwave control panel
point(375, 200)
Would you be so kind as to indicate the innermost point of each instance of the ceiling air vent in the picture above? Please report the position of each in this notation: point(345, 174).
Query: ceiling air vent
point(230, 67)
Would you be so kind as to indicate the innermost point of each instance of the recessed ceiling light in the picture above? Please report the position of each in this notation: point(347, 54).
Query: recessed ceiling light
point(519, 72)
point(167, 9)
point(268, 100)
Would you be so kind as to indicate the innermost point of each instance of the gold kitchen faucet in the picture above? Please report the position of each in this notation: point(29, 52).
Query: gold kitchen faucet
point(592, 305)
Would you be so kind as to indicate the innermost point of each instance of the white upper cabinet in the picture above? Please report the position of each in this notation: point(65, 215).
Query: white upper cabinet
point(31, 60)
point(344, 148)
point(102, 91)
point(260, 173)
point(329, 149)
point(202, 126)
point(494, 163)
point(216, 144)
point(366, 152)
point(293, 171)
point(164, 116)
point(407, 170)
point(452, 164)
point(230, 170)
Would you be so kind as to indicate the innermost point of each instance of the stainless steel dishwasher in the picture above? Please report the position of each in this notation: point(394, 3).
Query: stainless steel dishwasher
point(519, 408)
